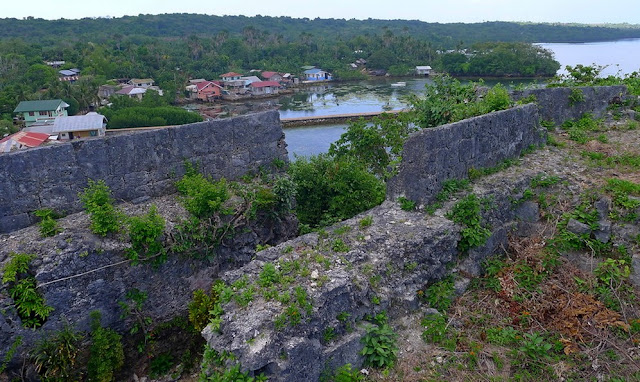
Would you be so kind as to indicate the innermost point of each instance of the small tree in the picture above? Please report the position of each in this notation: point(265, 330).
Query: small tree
point(98, 202)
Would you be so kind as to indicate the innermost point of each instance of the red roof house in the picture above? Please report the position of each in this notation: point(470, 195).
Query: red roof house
point(22, 139)
point(207, 90)
point(272, 76)
point(231, 76)
point(264, 87)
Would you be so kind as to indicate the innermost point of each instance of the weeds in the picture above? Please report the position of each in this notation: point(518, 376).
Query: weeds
point(22, 287)
point(98, 203)
point(106, 353)
point(380, 348)
point(467, 213)
point(48, 224)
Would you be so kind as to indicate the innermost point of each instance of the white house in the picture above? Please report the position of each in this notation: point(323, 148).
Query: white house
point(423, 70)
point(80, 126)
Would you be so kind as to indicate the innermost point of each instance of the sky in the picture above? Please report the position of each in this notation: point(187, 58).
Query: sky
point(444, 11)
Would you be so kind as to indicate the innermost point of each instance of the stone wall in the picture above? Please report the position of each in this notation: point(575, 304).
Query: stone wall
point(135, 166)
point(434, 155)
point(555, 105)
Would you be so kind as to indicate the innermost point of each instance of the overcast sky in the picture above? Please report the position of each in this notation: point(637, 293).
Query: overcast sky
point(579, 11)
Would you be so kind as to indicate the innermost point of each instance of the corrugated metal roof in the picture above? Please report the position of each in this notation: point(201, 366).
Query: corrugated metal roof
point(263, 84)
point(29, 139)
point(231, 74)
point(131, 90)
point(141, 80)
point(42, 105)
point(313, 71)
point(89, 121)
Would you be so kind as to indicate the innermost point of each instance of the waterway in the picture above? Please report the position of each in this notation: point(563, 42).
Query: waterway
point(621, 57)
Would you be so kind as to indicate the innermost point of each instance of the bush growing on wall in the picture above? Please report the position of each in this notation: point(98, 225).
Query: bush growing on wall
point(329, 190)
point(98, 202)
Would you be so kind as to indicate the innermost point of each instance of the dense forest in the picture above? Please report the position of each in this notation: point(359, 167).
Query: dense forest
point(447, 35)
point(173, 48)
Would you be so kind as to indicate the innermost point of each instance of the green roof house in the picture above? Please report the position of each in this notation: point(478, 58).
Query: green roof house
point(41, 112)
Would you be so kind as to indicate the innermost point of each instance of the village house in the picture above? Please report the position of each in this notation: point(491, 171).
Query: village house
point(41, 112)
point(234, 83)
point(272, 76)
point(55, 64)
point(423, 70)
point(106, 91)
point(317, 75)
point(69, 75)
point(132, 92)
point(264, 88)
point(141, 82)
point(80, 126)
point(22, 140)
point(248, 80)
point(205, 90)
point(231, 76)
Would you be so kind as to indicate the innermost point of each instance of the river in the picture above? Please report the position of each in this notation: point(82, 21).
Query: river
point(622, 57)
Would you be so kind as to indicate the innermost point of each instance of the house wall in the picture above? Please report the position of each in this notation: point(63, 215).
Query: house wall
point(134, 165)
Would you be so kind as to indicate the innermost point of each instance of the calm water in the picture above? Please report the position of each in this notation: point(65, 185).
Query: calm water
point(621, 57)
point(312, 140)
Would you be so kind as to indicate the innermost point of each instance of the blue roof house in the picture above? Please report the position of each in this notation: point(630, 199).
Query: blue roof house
point(317, 75)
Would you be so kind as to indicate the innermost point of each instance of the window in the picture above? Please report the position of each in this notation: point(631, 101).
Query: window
point(93, 133)
point(31, 114)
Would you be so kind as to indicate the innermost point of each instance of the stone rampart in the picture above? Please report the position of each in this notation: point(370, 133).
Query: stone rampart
point(434, 155)
point(135, 166)
point(556, 104)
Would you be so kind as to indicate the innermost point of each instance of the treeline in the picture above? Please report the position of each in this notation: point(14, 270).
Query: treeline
point(500, 59)
point(152, 110)
point(178, 25)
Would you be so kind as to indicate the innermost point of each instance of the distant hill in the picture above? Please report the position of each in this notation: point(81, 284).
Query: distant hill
point(180, 25)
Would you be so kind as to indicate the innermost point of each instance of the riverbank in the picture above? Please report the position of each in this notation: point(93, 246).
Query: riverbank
point(332, 119)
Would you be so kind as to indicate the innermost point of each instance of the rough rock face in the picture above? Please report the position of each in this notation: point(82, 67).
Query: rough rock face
point(434, 155)
point(91, 273)
point(555, 104)
point(134, 165)
point(385, 266)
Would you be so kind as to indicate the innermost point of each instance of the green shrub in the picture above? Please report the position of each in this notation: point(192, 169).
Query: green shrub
point(575, 97)
point(377, 144)
point(48, 224)
point(365, 221)
point(106, 355)
point(145, 233)
point(98, 203)
point(269, 275)
point(160, 365)
point(339, 245)
point(406, 204)
point(440, 295)
point(54, 358)
point(380, 348)
point(438, 331)
point(497, 98)
point(206, 308)
point(611, 283)
point(330, 190)
point(22, 287)
point(467, 213)
point(202, 196)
